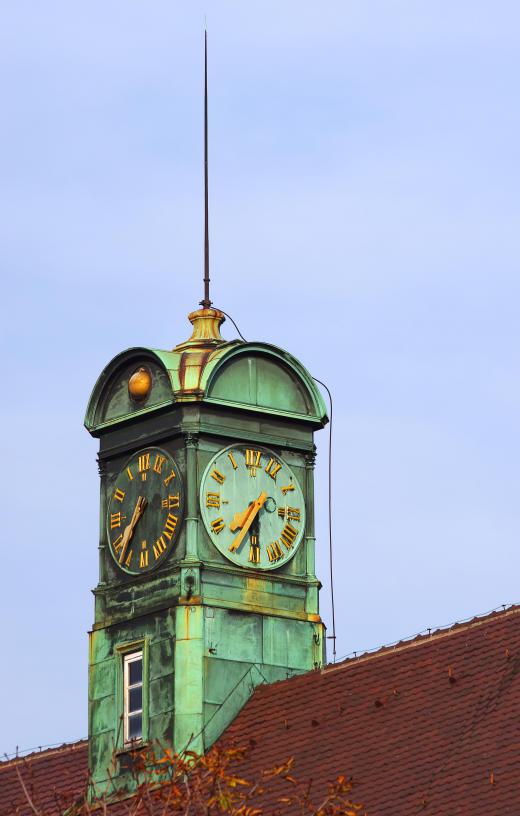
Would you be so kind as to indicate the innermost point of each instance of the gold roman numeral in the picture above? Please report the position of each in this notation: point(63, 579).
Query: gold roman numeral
point(169, 478)
point(159, 547)
point(218, 476)
point(254, 550)
point(292, 513)
point(232, 460)
point(143, 462)
point(288, 535)
point(274, 551)
point(272, 468)
point(115, 520)
point(144, 465)
point(170, 525)
point(287, 488)
point(218, 525)
point(159, 462)
point(253, 457)
point(128, 559)
point(172, 502)
point(213, 499)
point(119, 494)
point(118, 543)
point(130, 474)
point(143, 559)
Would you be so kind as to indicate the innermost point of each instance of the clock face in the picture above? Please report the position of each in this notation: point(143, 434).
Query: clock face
point(145, 511)
point(252, 507)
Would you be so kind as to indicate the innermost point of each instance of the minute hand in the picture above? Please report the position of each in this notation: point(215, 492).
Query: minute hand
point(247, 524)
point(139, 509)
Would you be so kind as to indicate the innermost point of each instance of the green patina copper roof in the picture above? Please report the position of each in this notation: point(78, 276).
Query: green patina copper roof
point(206, 368)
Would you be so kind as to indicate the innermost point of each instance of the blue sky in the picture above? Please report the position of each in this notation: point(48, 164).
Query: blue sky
point(364, 197)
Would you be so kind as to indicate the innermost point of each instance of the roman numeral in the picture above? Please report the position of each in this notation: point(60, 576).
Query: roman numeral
point(128, 559)
point(143, 559)
point(218, 476)
point(115, 520)
point(253, 457)
point(254, 550)
point(118, 543)
point(144, 462)
point(272, 468)
point(169, 478)
point(218, 525)
point(159, 547)
point(232, 460)
point(159, 462)
point(119, 494)
point(170, 525)
point(213, 500)
point(288, 535)
point(172, 502)
point(274, 552)
point(292, 513)
point(130, 474)
point(144, 465)
point(287, 488)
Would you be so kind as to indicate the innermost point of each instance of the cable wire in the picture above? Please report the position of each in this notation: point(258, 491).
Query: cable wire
point(331, 560)
point(233, 322)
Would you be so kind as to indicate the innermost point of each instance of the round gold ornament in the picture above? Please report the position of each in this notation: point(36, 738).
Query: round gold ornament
point(140, 384)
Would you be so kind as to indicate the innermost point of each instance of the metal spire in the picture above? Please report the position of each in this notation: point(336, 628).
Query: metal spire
point(206, 303)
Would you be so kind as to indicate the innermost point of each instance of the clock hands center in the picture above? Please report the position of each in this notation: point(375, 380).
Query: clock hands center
point(244, 520)
point(140, 507)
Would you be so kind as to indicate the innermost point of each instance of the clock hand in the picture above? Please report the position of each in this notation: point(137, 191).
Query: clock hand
point(140, 507)
point(239, 519)
point(245, 521)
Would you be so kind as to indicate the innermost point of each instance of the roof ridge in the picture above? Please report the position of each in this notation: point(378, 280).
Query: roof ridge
point(33, 755)
point(423, 638)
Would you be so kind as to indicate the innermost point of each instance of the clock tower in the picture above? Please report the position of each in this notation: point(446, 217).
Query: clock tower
point(207, 583)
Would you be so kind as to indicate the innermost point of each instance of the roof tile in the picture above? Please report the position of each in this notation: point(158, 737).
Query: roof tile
point(429, 726)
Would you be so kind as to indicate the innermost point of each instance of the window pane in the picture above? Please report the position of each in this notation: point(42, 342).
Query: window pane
point(135, 703)
point(135, 726)
point(135, 672)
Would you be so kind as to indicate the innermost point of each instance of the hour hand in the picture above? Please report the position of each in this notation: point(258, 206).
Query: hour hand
point(140, 507)
point(246, 522)
point(239, 519)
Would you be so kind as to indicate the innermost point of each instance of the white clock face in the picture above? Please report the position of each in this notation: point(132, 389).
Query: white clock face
point(252, 506)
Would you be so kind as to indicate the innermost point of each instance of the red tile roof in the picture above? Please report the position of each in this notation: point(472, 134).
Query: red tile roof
point(428, 726)
point(49, 777)
point(431, 725)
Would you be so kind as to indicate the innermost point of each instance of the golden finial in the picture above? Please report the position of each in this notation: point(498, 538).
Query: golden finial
point(206, 328)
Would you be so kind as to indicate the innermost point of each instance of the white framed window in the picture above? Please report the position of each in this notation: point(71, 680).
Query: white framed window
point(133, 696)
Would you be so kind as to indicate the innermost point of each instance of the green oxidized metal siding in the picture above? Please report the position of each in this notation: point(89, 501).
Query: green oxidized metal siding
point(250, 376)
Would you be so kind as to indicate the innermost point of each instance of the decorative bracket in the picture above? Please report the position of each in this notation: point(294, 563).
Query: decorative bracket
point(190, 582)
point(191, 439)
